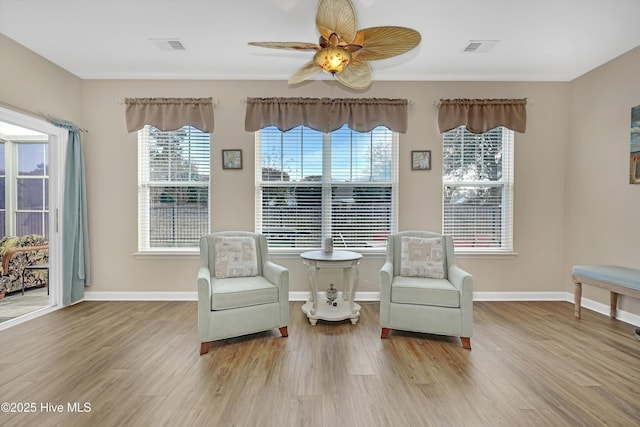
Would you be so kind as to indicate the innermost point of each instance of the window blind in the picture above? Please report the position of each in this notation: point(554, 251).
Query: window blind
point(173, 187)
point(477, 177)
point(311, 185)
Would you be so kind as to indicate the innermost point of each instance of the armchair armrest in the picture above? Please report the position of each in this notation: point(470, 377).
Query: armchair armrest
point(461, 279)
point(204, 302)
point(464, 282)
point(204, 288)
point(276, 274)
point(386, 277)
point(14, 252)
point(279, 276)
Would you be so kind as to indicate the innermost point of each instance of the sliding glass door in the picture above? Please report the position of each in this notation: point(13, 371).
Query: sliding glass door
point(31, 190)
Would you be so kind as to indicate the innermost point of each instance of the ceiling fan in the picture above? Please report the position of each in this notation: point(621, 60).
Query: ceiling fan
point(343, 50)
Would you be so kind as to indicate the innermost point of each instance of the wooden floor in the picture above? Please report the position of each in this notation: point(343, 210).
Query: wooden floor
point(138, 364)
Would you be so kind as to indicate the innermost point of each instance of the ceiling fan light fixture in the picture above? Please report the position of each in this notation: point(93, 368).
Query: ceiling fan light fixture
point(341, 45)
point(332, 59)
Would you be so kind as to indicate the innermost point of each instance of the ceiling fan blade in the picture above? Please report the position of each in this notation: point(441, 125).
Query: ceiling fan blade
point(336, 16)
point(287, 45)
point(384, 42)
point(307, 70)
point(357, 75)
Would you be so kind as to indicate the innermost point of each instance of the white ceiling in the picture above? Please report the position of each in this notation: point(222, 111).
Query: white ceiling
point(539, 40)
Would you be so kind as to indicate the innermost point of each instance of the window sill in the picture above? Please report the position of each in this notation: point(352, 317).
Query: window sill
point(273, 253)
point(168, 254)
point(485, 254)
point(295, 253)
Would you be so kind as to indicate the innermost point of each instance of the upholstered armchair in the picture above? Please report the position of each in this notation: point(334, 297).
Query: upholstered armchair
point(423, 290)
point(240, 291)
point(18, 252)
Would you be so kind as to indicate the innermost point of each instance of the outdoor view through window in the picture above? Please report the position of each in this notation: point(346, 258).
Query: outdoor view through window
point(173, 188)
point(24, 182)
point(477, 187)
point(313, 185)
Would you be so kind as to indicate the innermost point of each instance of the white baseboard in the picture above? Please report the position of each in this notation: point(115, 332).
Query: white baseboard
point(141, 296)
point(360, 296)
point(521, 296)
point(304, 295)
point(622, 315)
point(193, 296)
point(598, 307)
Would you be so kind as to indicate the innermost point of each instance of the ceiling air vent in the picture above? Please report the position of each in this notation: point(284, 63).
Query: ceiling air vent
point(168, 44)
point(480, 46)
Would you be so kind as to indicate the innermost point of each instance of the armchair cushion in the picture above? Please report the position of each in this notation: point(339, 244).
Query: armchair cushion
point(424, 291)
point(422, 257)
point(235, 292)
point(235, 257)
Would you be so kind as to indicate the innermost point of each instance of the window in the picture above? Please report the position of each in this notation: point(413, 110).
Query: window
point(477, 189)
point(173, 188)
point(24, 182)
point(341, 184)
point(32, 189)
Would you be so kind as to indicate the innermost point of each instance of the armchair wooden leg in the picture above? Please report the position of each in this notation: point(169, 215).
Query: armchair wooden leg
point(284, 331)
point(385, 333)
point(204, 347)
point(466, 343)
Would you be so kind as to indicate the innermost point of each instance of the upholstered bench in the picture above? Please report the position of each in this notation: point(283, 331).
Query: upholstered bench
point(618, 280)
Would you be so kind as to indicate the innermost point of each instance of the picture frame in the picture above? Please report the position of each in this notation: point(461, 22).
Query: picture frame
point(231, 159)
point(421, 160)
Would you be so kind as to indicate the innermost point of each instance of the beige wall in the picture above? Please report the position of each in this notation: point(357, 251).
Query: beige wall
point(539, 200)
point(30, 82)
point(552, 188)
point(602, 207)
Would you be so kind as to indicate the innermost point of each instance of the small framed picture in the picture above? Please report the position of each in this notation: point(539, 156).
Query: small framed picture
point(231, 159)
point(421, 160)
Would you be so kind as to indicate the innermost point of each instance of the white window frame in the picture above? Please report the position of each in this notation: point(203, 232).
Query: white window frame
point(506, 181)
point(327, 184)
point(144, 187)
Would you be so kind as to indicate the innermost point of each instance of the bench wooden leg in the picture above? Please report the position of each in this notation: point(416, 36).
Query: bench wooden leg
point(385, 333)
point(614, 304)
point(284, 331)
point(577, 294)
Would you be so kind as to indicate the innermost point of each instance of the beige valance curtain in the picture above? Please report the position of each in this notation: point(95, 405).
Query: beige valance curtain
point(169, 113)
point(482, 115)
point(326, 114)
